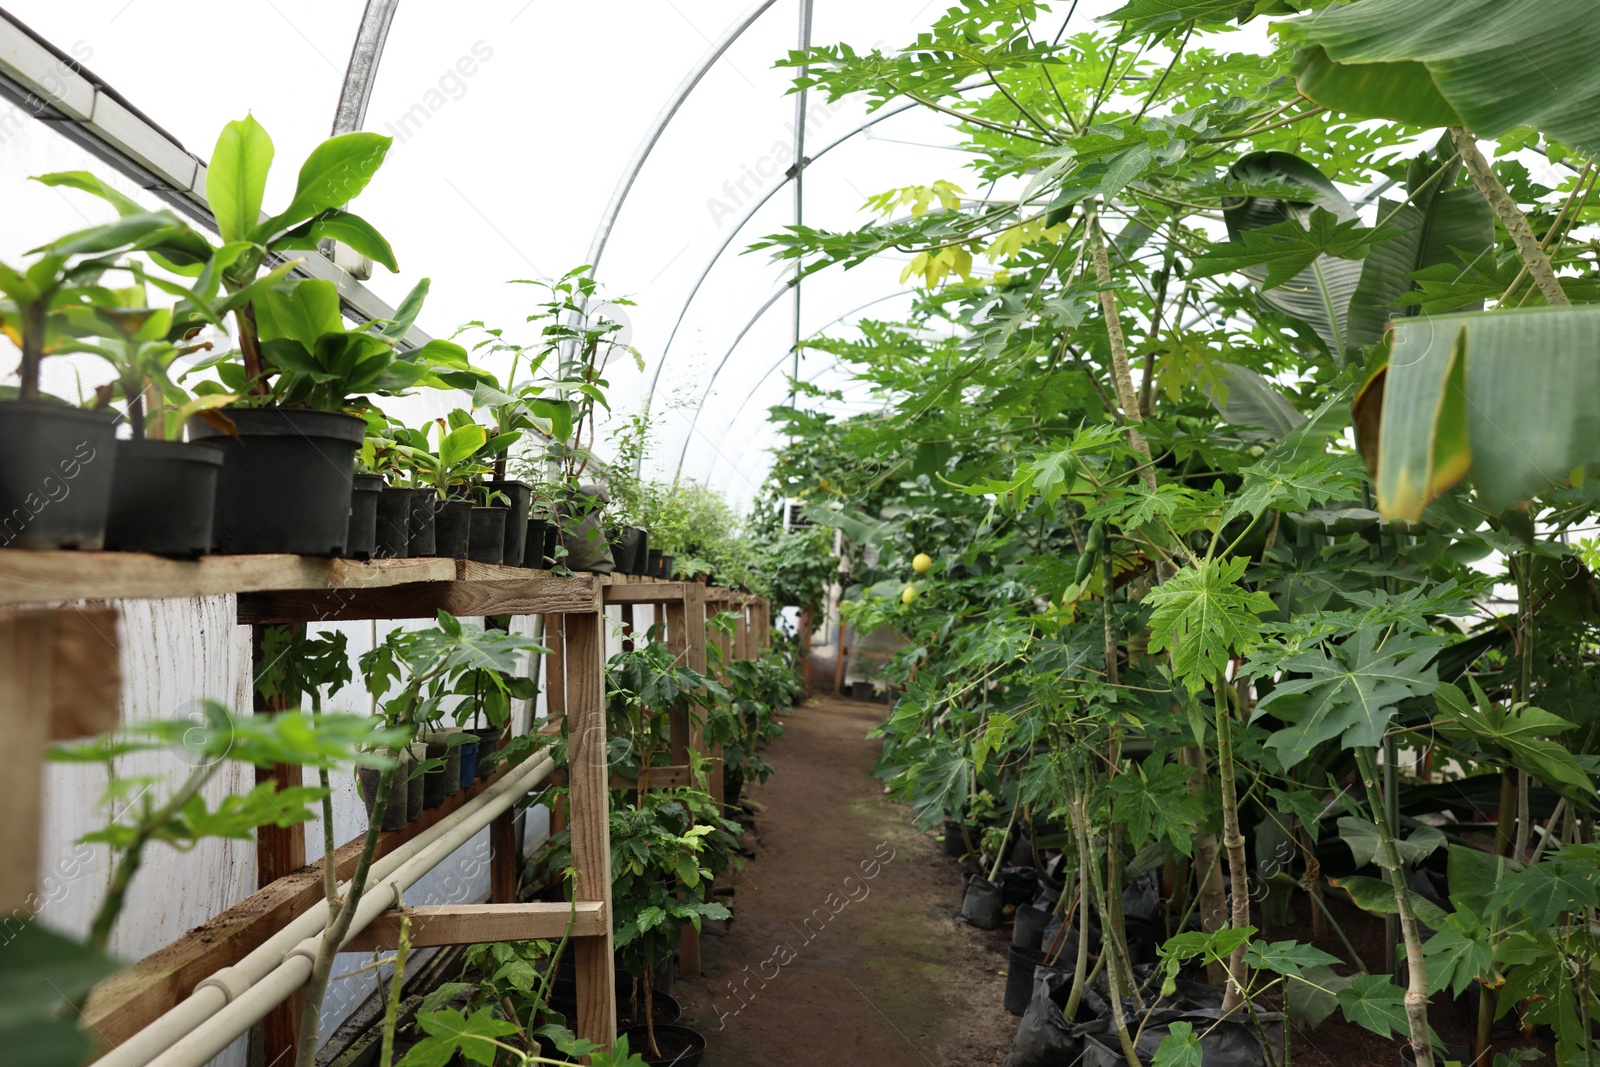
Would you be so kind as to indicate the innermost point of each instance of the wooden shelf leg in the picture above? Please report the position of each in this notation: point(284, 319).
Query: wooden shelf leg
point(589, 778)
point(280, 850)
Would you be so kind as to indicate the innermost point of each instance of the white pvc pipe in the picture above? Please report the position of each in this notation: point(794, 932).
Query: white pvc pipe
point(227, 1003)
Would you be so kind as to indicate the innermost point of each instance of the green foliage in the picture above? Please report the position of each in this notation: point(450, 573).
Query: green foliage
point(1203, 616)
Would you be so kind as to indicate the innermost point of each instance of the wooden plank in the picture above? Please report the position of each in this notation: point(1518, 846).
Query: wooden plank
point(474, 924)
point(668, 777)
point(589, 781)
point(28, 577)
point(60, 679)
point(537, 593)
point(129, 1000)
point(645, 593)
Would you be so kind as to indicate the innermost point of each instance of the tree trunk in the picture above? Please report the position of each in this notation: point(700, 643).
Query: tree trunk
point(1510, 216)
point(1233, 841)
point(1416, 998)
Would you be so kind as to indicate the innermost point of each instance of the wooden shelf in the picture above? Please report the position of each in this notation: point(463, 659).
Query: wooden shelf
point(42, 577)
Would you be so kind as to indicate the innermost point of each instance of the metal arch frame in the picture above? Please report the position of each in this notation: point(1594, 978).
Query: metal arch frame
point(362, 71)
point(749, 214)
point(737, 341)
point(630, 173)
point(744, 404)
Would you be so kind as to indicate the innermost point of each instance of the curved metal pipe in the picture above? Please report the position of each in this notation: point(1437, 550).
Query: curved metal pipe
point(630, 173)
point(773, 299)
point(784, 358)
point(749, 214)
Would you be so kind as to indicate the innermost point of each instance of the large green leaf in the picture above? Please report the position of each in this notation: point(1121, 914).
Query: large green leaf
point(1373, 1001)
point(1490, 65)
point(1320, 294)
point(1441, 226)
point(1508, 395)
point(350, 229)
point(1285, 250)
point(1522, 732)
point(333, 175)
point(1203, 616)
point(1248, 399)
point(236, 177)
point(302, 311)
point(43, 972)
point(1349, 691)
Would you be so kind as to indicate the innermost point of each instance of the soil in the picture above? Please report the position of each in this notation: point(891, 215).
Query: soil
point(823, 965)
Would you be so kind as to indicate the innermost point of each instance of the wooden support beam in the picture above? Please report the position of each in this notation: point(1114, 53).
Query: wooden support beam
point(645, 593)
point(589, 783)
point(52, 577)
point(474, 924)
point(536, 594)
point(60, 679)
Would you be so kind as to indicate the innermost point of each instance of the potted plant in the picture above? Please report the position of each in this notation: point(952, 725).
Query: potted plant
point(289, 440)
point(445, 472)
point(163, 491)
point(56, 461)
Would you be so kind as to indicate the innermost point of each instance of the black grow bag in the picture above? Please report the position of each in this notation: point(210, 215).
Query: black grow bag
point(983, 903)
point(1227, 1039)
point(362, 540)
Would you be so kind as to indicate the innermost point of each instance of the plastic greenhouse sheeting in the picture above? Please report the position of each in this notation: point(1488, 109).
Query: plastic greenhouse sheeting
point(512, 122)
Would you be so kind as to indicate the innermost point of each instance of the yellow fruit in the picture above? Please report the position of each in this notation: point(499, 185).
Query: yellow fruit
point(908, 595)
point(923, 563)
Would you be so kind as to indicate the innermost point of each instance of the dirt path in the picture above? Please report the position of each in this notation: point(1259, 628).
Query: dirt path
point(843, 949)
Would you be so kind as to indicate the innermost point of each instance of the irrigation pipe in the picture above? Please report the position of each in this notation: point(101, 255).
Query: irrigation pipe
point(233, 999)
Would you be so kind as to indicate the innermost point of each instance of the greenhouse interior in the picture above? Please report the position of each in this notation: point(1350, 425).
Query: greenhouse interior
point(811, 534)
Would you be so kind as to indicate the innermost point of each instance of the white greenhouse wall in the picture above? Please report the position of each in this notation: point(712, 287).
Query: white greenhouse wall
point(174, 654)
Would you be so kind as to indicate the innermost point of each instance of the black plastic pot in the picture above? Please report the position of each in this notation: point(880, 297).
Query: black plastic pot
point(162, 498)
point(680, 1046)
point(1020, 965)
point(286, 482)
point(636, 550)
point(362, 539)
point(469, 763)
point(664, 1006)
point(394, 813)
point(552, 539)
point(419, 523)
point(666, 567)
point(865, 691)
point(56, 470)
point(433, 783)
point(533, 547)
point(955, 843)
point(1028, 923)
point(416, 787)
point(982, 903)
point(519, 499)
point(392, 538)
point(452, 527)
point(489, 738)
point(488, 537)
point(652, 563)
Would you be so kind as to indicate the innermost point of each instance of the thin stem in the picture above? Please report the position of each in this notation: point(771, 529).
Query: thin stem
point(1233, 842)
point(1121, 376)
point(116, 893)
point(1416, 997)
point(391, 1004)
point(333, 937)
point(1510, 216)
